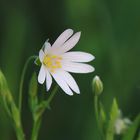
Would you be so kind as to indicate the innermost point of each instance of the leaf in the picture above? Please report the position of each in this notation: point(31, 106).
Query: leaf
point(113, 116)
point(131, 132)
point(8, 101)
point(5, 95)
point(15, 115)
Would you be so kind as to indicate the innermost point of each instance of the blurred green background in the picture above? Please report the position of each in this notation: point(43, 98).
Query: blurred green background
point(110, 31)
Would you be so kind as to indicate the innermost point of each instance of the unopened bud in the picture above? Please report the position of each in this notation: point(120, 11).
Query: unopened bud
point(97, 85)
point(33, 86)
point(33, 98)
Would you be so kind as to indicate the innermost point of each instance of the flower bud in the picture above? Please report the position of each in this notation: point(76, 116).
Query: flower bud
point(97, 85)
point(33, 88)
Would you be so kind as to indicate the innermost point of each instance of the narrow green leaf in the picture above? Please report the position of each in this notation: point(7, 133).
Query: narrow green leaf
point(15, 115)
point(113, 116)
point(131, 132)
point(5, 94)
point(102, 113)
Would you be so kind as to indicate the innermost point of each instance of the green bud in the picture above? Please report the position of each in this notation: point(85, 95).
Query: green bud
point(33, 89)
point(97, 85)
point(33, 86)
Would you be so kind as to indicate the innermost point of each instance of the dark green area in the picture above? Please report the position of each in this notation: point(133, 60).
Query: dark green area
point(110, 31)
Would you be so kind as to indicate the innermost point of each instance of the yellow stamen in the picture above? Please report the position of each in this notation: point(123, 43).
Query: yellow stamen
point(52, 62)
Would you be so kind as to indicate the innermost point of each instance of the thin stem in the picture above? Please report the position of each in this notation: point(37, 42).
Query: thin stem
point(19, 133)
point(36, 127)
point(97, 117)
point(52, 95)
point(96, 107)
point(37, 122)
point(22, 80)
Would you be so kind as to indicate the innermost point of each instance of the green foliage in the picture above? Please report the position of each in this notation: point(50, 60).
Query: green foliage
point(5, 95)
point(131, 132)
point(109, 127)
point(37, 107)
point(111, 123)
point(10, 107)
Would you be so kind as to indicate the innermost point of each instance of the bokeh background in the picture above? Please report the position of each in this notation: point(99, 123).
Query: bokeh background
point(110, 31)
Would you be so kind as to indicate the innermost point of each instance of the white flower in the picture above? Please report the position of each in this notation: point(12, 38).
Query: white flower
point(57, 62)
point(121, 124)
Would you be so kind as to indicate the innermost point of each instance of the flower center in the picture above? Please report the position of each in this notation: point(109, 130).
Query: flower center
point(52, 62)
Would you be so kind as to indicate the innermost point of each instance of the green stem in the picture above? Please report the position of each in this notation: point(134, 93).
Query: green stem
point(19, 133)
point(52, 95)
point(36, 127)
point(96, 108)
point(22, 80)
point(97, 117)
point(17, 122)
point(37, 122)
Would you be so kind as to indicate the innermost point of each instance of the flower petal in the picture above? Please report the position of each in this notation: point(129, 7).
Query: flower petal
point(48, 80)
point(69, 80)
point(77, 67)
point(62, 38)
point(47, 47)
point(69, 44)
point(78, 56)
point(42, 75)
point(61, 82)
point(41, 55)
